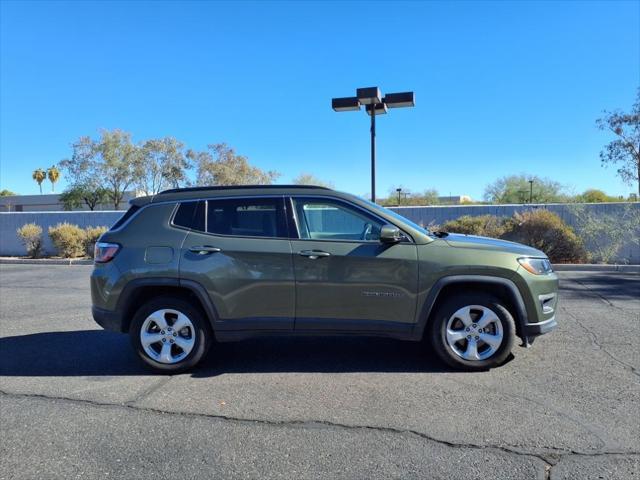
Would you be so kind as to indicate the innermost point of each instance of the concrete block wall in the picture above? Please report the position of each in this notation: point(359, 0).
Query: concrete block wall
point(9, 222)
point(630, 252)
point(441, 214)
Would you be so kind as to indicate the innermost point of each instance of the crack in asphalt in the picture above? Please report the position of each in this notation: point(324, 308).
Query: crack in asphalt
point(561, 413)
point(596, 343)
point(598, 295)
point(593, 336)
point(149, 391)
point(551, 456)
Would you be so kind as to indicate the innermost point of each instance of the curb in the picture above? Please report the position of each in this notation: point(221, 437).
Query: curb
point(593, 267)
point(45, 261)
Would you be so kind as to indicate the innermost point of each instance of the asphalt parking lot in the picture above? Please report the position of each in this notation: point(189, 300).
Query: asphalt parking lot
point(76, 403)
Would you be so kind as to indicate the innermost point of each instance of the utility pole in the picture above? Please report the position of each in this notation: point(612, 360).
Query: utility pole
point(530, 191)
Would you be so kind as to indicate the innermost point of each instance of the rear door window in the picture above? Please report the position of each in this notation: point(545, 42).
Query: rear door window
point(247, 217)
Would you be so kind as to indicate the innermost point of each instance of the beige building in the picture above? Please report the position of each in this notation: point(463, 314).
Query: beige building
point(454, 200)
point(51, 203)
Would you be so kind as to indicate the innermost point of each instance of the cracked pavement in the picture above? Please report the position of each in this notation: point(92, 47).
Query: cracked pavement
point(75, 402)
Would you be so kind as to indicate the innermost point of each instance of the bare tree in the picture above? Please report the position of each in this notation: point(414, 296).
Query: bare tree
point(82, 165)
point(220, 165)
point(311, 179)
point(108, 162)
point(118, 159)
point(624, 151)
point(162, 164)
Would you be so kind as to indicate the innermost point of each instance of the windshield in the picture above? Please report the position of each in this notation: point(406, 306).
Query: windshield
point(395, 215)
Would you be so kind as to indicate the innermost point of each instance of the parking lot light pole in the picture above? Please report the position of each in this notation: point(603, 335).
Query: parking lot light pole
point(375, 104)
point(373, 156)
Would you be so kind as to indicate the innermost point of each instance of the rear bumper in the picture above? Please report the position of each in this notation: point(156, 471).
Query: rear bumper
point(108, 319)
point(535, 329)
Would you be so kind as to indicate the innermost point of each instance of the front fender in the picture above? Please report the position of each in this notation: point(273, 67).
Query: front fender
point(515, 296)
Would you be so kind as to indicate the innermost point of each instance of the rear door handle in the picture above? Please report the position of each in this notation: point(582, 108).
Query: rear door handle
point(314, 254)
point(204, 250)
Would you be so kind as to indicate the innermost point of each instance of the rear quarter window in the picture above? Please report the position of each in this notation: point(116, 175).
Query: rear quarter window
point(190, 215)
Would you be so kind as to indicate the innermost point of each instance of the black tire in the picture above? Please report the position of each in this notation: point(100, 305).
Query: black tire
point(201, 334)
point(437, 328)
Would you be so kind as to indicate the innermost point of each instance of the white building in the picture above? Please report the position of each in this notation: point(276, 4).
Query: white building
point(51, 203)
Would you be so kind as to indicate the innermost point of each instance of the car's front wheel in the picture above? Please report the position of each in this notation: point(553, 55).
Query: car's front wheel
point(472, 332)
point(169, 334)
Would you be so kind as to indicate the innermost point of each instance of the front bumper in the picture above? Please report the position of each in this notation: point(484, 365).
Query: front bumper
point(535, 329)
point(540, 295)
point(108, 319)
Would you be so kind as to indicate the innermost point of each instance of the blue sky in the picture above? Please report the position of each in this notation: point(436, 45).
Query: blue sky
point(501, 87)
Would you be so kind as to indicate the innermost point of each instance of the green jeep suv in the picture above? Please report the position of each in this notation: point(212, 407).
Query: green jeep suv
point(191, 265)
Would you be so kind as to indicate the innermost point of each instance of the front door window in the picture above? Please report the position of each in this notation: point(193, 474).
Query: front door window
point(320, 219)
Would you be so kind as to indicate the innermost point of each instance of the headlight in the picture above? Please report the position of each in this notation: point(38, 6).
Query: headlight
point(537, 266)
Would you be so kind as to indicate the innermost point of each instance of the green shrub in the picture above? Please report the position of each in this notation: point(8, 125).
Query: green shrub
point(546, 231)
point(91, 237)
point(540, 229)
point(31, 237)
point(68, 239)
point(483, 225)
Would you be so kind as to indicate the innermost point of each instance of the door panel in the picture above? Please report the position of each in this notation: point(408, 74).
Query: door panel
point(349, 283)
point(357, 281)
point(250, 280)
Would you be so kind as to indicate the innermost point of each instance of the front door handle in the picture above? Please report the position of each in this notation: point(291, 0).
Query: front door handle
point(204, 250)
point(314, 254)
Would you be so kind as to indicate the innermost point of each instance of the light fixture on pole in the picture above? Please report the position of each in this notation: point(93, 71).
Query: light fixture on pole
point(375, 104)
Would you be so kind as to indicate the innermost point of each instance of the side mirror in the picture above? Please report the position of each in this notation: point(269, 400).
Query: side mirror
point(390, 234)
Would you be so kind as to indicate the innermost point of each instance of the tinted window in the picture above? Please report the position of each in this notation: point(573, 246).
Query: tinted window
point(185, 214)
point(321, 219)
point(257, 217)
point(190, 215)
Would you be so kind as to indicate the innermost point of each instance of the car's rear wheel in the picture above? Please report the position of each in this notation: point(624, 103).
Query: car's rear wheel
point(170, 335)
point(472, 332)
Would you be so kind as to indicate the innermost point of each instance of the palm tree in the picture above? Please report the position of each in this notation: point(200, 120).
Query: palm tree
point(54, 175)
point(39, 175)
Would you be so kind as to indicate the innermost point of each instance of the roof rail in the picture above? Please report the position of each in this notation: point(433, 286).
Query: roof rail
point(237, 187)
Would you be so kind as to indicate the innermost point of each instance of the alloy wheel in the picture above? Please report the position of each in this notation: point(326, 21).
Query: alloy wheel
point(474, 332)
point(167, 336)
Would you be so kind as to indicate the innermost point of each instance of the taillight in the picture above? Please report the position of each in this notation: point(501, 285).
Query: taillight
point(104, 252)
